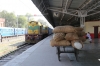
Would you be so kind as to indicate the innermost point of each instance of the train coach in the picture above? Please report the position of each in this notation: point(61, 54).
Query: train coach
point(9, 31)
point(6, 31)
point(36, 32)
point(50, 31)
point(19, 31)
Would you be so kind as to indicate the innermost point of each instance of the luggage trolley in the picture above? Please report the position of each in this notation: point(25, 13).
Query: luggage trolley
point(72, 50)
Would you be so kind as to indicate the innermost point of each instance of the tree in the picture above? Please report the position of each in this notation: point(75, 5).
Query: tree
point(3, 14)
point(22, 21)
point(10, 18)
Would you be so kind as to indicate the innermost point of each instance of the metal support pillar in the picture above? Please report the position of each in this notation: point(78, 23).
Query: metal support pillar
point(82, 14)
point(82, 21)
point(17, 24)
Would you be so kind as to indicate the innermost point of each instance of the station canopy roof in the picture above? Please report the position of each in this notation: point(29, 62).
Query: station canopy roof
point(68, 12)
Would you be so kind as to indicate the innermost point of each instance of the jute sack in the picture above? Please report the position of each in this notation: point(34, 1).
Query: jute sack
point(71, 36)
point(80, 33)
point(64, 29)
point(77, 44)
point(58, 36)
point(83, 39)
point(83, 33)
point(59, 43)
point(78, 28)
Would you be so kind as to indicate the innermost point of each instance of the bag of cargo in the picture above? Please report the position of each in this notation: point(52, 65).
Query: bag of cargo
point(80, 33)
point(71, 36)
point(58, 36)
point(77, 44)
point(83, 39)
point(59, 43)
point(64, 29)
point(78, 28)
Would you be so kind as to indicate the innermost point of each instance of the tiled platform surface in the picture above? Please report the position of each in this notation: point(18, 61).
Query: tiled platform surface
point(42, 54)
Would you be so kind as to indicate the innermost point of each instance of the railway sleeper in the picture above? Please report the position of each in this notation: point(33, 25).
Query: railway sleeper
point(19, 47)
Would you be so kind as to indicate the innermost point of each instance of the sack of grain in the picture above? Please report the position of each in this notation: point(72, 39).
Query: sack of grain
point(77, 44)
point(58, 36)
point(78, 28)
point(59, 43)
point(83, 33)
point(83, 39)
point(80, 33)
point(71, 36)
point(64, 29)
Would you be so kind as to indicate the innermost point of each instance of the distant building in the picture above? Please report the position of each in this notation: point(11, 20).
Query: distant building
point(93, 27)
point(2, 22)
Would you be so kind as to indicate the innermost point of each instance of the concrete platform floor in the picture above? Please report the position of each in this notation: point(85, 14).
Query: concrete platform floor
point(42, 54)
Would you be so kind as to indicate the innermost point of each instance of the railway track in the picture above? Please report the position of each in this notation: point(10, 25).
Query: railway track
point(6, 58)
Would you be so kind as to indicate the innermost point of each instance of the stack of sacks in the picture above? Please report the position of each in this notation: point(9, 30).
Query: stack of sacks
point(59, 40)
point(68, 35)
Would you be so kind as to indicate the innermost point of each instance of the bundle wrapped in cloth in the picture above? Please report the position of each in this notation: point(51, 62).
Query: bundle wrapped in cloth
point(68, 35)
point(77, 44)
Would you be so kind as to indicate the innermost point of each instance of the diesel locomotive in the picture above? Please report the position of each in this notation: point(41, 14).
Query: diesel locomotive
point(36, 32)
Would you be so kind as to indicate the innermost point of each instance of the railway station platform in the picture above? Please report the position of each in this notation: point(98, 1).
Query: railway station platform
point(42, 54)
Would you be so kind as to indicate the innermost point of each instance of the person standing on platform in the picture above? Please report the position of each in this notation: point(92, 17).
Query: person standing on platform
point(89, 37)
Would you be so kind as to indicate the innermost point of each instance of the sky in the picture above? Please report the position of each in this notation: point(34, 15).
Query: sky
point(21, 7)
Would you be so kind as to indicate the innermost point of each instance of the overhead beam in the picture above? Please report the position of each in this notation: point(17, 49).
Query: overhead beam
point(85, 4)
point(82, 6)
point(91, 8)
point(63, 12)
point(55, 8)
point(65, 8)
point(40, 3)
point(72, 16)
point(44, 7)
point(62, 9)
point(93, 13)
point(58, 8)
